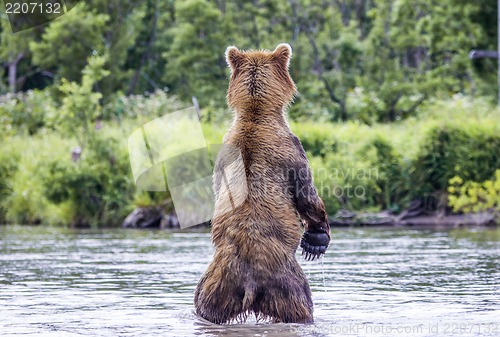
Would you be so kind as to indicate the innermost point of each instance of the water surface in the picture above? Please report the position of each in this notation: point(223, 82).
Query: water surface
point(372, 282)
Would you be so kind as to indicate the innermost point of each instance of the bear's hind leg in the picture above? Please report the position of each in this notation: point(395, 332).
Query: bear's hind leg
point(285, 300)
point(219, 301)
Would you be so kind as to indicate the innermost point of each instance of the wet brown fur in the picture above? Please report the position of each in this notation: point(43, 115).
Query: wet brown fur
point(254, 268)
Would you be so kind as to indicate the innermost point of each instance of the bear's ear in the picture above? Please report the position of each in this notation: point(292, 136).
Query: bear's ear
point(233, 57)
point(282, 54)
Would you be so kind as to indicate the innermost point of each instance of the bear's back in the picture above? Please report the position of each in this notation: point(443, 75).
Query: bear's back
point(266, 212)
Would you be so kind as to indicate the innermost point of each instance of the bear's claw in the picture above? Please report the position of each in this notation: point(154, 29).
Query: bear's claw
point(314, 244)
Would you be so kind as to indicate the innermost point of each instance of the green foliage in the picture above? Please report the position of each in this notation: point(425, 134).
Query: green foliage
point(367, 60)
point(344, 175)
point(468, 149)
point(392, 183)
point(385, 166)
point(80, 104)
point(23, 199)
point(355, 166)
point(24, 112)
point(317, 140)
point(69, 41)
point(146, 107)
point(45, 186)
point(13, 49)
point(472, 196)
point(8, 166)
point(96, 190)
point(195, 62)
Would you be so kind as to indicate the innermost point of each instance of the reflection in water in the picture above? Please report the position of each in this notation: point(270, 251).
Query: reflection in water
point(372, 282)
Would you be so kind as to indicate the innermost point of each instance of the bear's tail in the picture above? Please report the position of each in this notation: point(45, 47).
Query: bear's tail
point(248, 298)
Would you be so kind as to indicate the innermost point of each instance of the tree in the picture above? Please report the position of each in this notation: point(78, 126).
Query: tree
point(68, 41)
point(195, 64)
point(153, 39)
point(80, 105)
point(96, 27)
point(14, 48)
point(120, 37)
point(333, 48)
point(417, 49)
point(371, 60)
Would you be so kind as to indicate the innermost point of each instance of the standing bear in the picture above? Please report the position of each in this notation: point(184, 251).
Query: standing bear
point(254, 268)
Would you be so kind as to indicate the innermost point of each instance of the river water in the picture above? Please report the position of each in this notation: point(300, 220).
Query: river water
point(371, 282)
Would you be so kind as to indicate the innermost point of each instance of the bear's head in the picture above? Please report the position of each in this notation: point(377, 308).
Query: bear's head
point(260, 81)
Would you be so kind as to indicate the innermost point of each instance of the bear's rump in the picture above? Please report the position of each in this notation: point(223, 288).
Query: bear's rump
point(247, 286)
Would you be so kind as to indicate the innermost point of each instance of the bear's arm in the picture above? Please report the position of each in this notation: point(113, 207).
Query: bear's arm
point(305, 197)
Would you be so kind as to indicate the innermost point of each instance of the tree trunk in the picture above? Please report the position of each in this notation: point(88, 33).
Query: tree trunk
point(13, 72)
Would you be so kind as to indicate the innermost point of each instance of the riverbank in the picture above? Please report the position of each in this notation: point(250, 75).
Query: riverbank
point(434, 220)
point(156, 218)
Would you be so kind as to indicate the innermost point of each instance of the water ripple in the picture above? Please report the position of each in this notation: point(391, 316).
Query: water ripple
point(373, 282)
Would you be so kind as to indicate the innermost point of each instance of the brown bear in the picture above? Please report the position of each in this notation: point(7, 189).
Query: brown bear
point(254, 268)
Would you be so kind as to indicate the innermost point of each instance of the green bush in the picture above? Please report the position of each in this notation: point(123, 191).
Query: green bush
point(45, 186)
point(468, 149)
point(372, 176)
point(95, 191)
point(148, 106)
point(24, 201)
point(8, 166)
point(344, 182)
point(348, 169)
point(390, 178)
point(316, 139)
point(472, 196)
point(394, 163)
point(24, 112)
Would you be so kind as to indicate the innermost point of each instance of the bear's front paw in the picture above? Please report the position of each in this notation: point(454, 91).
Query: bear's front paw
point(314, 244)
